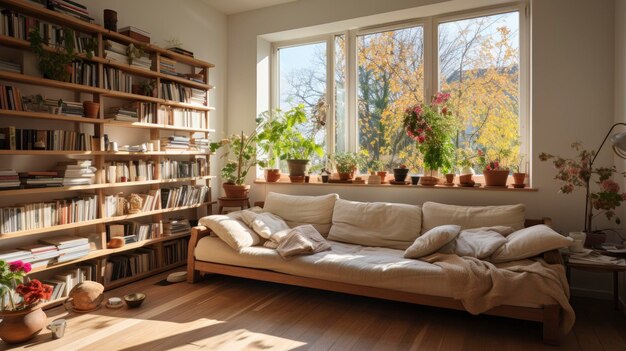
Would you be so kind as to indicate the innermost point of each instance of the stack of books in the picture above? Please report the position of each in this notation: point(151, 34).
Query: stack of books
point(167, 66)
point(41, 254)
point(198, 96)
point(71, 8)
point(186, 195)
point(10, 66)
point(9, 179)
point(69, 247)
point(201, 144)
point(176, 226)
point(143, 62)
point(45, 179)
point(123, 113)
point(10, 98)
point(135, 33)
point(15, 255)
point(175, 142)
point(68, 108)
point(79, 172)
point(115, 51)
point(181, 51)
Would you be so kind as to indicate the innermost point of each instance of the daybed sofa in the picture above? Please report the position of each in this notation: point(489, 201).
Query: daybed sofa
point(522, 277)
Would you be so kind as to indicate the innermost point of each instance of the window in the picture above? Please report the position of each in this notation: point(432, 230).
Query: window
point(365, 78)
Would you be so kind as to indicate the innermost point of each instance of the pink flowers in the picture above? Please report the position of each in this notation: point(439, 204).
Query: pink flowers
point(610, 186)
point(34, 291)
point(441, 98)
point(18, 266)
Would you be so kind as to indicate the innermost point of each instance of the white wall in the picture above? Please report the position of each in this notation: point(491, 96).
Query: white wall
point(572, 92)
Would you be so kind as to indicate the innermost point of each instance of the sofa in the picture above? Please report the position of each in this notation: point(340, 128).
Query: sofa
point(482, 259)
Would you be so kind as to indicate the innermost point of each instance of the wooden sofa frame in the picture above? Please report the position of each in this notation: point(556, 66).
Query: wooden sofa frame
point(549, 315)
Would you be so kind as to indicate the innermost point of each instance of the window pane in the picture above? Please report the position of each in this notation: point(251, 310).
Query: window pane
point(390, 78)
point(340, 94)
point(302, 72)
point(479, 66)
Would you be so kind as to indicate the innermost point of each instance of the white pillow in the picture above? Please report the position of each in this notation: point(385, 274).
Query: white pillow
point(530, 242)
point(265, 224)
point(436, 214)
point(378, 224)
point(232, 231)
point(300, 210)
point(431, 241)
point(478, 243)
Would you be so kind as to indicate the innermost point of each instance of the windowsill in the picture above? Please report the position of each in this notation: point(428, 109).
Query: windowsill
point(435, 187)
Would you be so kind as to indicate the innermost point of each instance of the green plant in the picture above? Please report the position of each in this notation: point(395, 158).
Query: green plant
point(377, 165)
point(54, 64)
point(241, 155)
point(279, 136)
point(347, 162)
point(147, 87)
point(134, 52)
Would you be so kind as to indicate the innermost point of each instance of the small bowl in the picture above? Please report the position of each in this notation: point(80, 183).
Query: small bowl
point(134, 300)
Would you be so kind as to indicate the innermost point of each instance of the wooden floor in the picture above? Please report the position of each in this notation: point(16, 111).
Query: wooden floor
point(224, 313)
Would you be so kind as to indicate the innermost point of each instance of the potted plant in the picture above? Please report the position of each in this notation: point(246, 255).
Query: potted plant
point(347, 163)
point(379, 167)
point(495, 174)
point(145, 88)
point(241, 156)
point(466, 159)
point(519, 178)
point(21, 320)
point(400, 173)
point(432, 127)
point(325, 174)
point(280, 138)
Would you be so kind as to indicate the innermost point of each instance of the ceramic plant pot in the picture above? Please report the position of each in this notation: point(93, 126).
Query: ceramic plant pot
point(91, 109)
point(20, 326)
point(272, 175)
point(235, 191)
point(496, 178)
point(399, 174)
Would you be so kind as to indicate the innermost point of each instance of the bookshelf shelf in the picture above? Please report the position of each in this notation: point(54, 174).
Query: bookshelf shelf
point(108, 99)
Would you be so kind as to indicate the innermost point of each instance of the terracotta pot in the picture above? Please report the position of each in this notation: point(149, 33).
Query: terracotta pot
point(235, 191)
point(345, 175)
point(399, 174)
point(296, 179)
point(519, 178)
point(450, 178)
point(297, 167)
point(20, 326)
point(465, 179)
point(382, 175)
point(495, 178)
point(429, 181)
point(92, 109)
point(272, 175)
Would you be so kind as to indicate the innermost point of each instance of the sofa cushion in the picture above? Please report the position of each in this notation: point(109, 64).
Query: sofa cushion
point(431, 241)
point(265, 224)
point(231, 230)
point(529, 242)
point(300, 210)
point(379, 224)
point(478, 243)
point(436, 214)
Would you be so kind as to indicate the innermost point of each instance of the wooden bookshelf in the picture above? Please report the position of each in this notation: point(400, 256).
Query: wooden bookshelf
point(106, 98)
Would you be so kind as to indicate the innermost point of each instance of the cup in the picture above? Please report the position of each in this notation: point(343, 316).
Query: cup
point(579, 241)
point(114, 301)
point(113, 146)
point(57, 327)
point(415, 180)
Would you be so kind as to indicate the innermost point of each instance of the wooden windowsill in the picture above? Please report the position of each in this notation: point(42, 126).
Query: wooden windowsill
point(437, 187)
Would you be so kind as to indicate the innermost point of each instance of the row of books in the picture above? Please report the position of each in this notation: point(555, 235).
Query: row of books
point(134, 231)
point(175, 251)
point(38, 103)
point(171, 169)
point(12, 138)
point(71, 8)
point(139, 261)
point(84, 73)
point(40, 179)
point(46, 214)
point(186, 195)
point(64, 282)
point(10, 66)
point(119, 52)
point(129, 171)
point(118, 80)
point(120, 204)
point(180, 93)
point(182, 117)
point(10, 98)
point(78, 172)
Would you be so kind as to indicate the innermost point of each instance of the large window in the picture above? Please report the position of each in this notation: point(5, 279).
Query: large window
point(364, 79)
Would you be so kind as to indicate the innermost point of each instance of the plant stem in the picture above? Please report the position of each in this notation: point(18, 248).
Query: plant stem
point(239, 180)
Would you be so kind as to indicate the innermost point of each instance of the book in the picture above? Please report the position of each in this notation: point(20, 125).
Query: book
point(65, 240)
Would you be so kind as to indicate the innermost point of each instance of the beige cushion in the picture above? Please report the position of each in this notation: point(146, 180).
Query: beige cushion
point(379, 224)
point(478, 243)
point(265, 224)
point(232, 231)
point(467, 217)
point(530, 242)
point(431, 241)
point(300, 210)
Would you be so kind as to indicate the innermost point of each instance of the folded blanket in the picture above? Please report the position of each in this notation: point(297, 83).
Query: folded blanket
point(481, 285)
point(302, 240)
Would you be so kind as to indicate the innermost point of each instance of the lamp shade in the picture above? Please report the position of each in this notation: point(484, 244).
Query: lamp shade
point(619, 144)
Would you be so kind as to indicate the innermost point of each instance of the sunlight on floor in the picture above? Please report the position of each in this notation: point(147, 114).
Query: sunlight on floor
point(243, 339)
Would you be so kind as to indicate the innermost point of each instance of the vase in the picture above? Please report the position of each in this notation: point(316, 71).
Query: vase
point(235, 191)
point(272, 175)
point(399, 174)
point(91, 109)
point(496, 178)
point(23, 325)
point(110, 20)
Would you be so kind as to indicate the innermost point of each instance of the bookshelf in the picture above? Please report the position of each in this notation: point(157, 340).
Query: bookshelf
point(96, 228)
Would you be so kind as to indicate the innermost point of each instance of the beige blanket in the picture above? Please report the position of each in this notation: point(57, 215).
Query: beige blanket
point(480, 285)
point(302, 240)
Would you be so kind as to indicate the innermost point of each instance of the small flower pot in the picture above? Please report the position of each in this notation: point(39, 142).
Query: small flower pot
point(382, 175)
point(235, 191)
point(399, 174)
point(307, 179)
point(519, 178)
point(345, 175)
point(450, 178)
point(496, 178)
point(415, 180)
point(92, 109)
point(272, 175)
point(466, 179)
point(325, 178)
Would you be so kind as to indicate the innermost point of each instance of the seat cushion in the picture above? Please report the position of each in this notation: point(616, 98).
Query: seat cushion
point(300, 210)
point(436, 214)
point(378, 224)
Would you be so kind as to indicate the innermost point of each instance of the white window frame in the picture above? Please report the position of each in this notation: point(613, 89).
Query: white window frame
point(430, 27)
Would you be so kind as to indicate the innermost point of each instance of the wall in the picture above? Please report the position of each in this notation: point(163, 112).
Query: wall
point(620, 88)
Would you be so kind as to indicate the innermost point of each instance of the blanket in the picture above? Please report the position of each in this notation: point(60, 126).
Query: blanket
point(302, 240)
point(481, 285)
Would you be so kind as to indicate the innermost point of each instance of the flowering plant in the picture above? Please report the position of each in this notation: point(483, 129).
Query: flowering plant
point(12, 284)
point(578, 172)
point(432, 126)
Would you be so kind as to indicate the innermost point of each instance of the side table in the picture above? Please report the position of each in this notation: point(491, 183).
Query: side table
point(240, 202)
point(599, 268)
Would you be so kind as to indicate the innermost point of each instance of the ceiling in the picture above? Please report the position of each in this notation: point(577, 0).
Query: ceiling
point(231, 7)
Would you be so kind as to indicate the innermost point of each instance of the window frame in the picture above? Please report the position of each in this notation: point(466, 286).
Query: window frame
point(430, 27)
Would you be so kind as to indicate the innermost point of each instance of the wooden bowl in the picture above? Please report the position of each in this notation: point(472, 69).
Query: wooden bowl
point(134, 300)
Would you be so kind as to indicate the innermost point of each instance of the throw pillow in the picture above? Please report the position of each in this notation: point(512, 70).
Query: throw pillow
point(265, 224)
point(378, 224)
point(478, 243)
point(436, 214)
point(529, 242)
point(299, 210)
point(232, 231)
point(431, 241)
